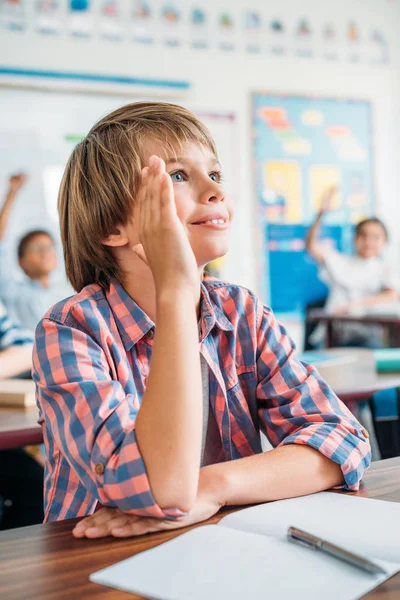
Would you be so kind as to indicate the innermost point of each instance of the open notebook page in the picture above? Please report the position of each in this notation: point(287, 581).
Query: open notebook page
point(217, 563)
point(362, 525)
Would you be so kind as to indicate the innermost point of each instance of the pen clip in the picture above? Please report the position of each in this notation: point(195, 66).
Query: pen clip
point(301, 537)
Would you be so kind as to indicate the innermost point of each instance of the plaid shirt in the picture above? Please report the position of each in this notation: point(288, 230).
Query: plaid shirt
point(91, 363)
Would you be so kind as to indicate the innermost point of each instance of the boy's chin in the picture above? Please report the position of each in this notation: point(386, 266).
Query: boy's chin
point(209, 258)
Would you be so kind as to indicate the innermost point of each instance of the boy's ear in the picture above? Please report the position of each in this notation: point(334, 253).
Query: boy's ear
point(118, 238)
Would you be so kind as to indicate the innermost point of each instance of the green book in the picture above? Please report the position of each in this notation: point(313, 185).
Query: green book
point(387, 360)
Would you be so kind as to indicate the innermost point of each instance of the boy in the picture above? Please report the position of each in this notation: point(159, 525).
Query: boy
point(28, 299)
point(168, 445)
point(357, 281)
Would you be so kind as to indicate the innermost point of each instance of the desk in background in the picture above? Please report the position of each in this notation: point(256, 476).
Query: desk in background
point(46, 561)
point(390, 322)
point(351, 372)
point(19, 427)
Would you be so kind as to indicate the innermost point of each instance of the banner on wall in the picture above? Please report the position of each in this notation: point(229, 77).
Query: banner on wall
point(302, 147)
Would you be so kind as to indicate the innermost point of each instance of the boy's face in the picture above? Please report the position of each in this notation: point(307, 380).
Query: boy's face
point(370, 241)
point(201, 204)
point(39, 258)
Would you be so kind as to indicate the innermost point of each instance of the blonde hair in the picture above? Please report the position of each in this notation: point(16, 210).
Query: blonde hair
point(102, 178)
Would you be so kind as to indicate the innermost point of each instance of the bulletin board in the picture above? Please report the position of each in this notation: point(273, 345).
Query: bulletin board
point(302, 146)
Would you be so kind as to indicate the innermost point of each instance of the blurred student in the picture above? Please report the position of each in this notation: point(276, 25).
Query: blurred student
point(21, 477)
point(27, 298)
point(356, 282)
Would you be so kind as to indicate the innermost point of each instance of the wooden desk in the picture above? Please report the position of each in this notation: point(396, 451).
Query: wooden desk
point(45, 561)
point(390, 322)
point(19, 427)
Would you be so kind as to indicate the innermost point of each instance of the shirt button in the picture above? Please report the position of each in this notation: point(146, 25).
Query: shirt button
point(99, 468)
point(150, 334)
point(365, 432)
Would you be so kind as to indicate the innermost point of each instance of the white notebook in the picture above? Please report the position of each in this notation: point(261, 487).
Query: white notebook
point(248, 556)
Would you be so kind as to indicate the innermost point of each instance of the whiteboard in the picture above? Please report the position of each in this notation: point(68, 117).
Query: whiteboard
point(39, 130)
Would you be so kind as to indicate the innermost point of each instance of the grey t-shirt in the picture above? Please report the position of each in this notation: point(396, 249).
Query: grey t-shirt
point(211, 447)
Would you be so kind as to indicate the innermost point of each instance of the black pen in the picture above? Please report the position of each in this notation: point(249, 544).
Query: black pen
point(311, 541)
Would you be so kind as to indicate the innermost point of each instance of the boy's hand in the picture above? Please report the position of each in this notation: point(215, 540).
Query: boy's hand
point(16, 182)
point(112, 521)
point(326, 202)
point(165, 244)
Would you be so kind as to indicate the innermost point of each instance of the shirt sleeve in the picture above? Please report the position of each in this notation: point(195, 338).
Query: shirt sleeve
point(335, 268)
point(11, 334)
point(92, 419)
point(296, 406)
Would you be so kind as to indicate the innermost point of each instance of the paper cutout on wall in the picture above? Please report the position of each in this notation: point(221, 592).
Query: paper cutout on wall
point(322, 178)
point(48, 17)
point(282, 192)
point(199, 36)
point(253, 31)
point(12, 15)
point(80, 18)
point(143, 22)
point(111, 25)
point(226, 31)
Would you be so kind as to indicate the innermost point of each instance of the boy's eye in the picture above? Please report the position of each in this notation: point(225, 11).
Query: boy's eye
point(177, 177)
point(216, 176)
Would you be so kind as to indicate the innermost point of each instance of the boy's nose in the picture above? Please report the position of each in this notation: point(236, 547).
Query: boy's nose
point(212, 195)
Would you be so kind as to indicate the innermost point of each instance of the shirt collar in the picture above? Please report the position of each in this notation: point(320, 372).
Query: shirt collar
point(134, 324)
point(132, 321)
point(211, 314)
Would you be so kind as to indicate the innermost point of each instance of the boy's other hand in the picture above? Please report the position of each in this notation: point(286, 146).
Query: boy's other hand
point(165, 244)
point(17, 181)
point(114, 522)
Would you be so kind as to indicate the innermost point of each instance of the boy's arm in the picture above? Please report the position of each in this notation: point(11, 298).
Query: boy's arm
point(312, 234)
point(296, 407)
point(92, 419)
point(169, 423)
point(15, 184)
point(6, 274)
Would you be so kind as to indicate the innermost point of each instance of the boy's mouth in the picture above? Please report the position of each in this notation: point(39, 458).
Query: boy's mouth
point(217, 221)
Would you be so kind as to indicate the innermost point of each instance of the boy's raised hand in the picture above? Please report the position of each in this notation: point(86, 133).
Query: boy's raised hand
point(164, 244)
point(17, 181)
point(326, 202)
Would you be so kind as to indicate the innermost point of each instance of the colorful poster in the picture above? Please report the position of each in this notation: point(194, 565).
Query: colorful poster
point(12, 15)
point(303, 147)
point(226, 31)
point(110, 20)
point(199, 29)
point(323, 178)
point(304, 39)
point(49, 16)
point(80, 18)
point(254, 32)
point(143, 22)
point(282, 196)
point(277, 37)
point(171, 24)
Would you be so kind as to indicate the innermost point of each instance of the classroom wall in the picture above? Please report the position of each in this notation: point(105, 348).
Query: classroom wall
point(223, 81)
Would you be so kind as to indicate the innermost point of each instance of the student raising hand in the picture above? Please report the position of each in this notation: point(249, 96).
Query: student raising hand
point(17, 181)
point(164, 243)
